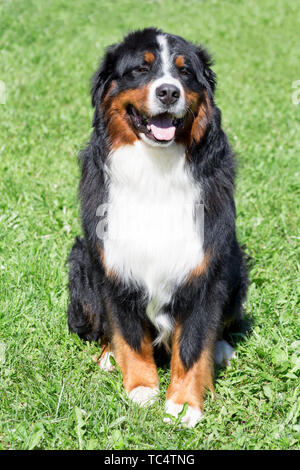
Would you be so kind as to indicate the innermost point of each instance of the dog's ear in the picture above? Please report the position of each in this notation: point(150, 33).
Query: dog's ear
point(208, 74)
point(103, 75)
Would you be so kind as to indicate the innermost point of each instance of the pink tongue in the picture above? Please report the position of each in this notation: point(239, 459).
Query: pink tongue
point(162, 128)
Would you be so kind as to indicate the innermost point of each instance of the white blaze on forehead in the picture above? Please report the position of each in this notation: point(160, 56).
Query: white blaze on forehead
point(164, 54)
point(155, 106)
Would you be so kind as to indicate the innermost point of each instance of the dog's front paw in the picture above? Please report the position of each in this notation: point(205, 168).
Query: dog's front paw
point(191, 417)
point(144, 396)
point(104, 361)
point(224, 353)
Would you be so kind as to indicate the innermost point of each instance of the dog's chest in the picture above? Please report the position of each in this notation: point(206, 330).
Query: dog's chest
point(152, 238)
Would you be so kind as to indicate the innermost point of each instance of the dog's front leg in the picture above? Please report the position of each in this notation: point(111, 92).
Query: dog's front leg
point(138, 368)
point(191, 371)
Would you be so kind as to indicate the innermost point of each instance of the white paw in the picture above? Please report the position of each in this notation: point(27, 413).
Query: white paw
point(191, 417)
point(224, 353)
point(144, 396)
point(104, 362)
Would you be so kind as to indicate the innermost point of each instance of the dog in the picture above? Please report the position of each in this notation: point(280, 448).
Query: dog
point(159, 267)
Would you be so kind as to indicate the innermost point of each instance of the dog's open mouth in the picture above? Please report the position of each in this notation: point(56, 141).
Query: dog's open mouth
point(160, 128)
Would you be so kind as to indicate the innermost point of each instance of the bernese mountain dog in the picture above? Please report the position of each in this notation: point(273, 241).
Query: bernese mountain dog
point(159, 267)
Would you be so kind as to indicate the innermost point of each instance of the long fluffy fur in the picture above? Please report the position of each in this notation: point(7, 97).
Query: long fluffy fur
point(211, 299)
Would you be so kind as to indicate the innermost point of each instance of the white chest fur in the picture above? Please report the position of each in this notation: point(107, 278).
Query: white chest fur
point(152, 238)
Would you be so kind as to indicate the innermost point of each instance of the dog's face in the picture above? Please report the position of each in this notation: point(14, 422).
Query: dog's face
point(155, 87)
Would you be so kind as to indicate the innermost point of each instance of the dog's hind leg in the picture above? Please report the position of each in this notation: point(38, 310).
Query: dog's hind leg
point(233, 322)
point(86, 314)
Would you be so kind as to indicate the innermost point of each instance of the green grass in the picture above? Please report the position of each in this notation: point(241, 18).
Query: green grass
point(48, 51)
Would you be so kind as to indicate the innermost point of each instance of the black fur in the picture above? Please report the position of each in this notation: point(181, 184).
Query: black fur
point(208, 302)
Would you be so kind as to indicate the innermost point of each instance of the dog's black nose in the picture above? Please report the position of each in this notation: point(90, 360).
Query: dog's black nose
point(168, 94)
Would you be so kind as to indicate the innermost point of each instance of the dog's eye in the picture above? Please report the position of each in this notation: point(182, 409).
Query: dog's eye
point(136, 71)
point(184, 71)
point(142, 69)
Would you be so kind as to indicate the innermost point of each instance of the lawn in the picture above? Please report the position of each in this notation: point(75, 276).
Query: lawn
point(52, 395)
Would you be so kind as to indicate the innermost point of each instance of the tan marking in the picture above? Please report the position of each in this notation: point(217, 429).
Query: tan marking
point(202, 119)
point(179, 62)
point(188, 386)
point(149, 57)
point(108, 271)
point(138, 367)
point(105, 347)
point(193, 100)
point(119, 125)
point(108, 93)
point(200, 269)
point(197, 118)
